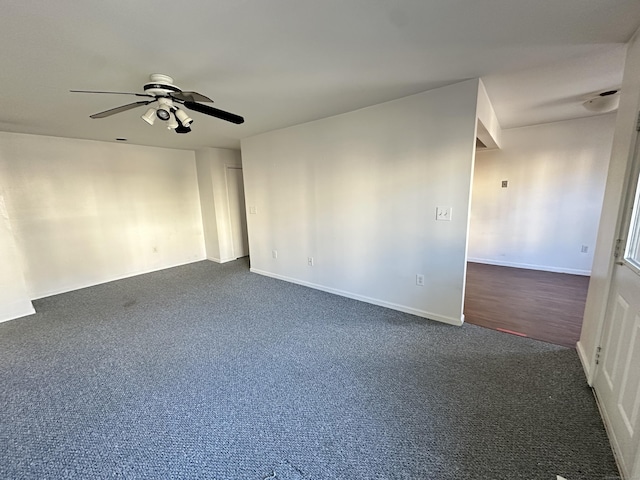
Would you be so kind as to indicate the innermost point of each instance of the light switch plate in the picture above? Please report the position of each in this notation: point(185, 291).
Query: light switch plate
point(443, 214)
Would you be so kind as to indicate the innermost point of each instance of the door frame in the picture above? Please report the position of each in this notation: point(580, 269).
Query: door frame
point(227, 167)
point(600, 297)
point(618, 247)
point(628, 193)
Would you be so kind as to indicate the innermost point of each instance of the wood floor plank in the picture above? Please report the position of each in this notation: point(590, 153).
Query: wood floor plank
point(542, 305)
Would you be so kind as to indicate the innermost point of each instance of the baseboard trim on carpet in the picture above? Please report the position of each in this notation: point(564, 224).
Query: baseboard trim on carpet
point(586, 364)
point(21, 310)
point(113, 279)
point(382, 303)
point(223, 260)
point(527, 266)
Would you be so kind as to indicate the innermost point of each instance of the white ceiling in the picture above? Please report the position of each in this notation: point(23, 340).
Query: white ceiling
point(283, 62)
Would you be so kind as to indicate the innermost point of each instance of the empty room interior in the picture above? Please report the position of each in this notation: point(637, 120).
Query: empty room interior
point(320, 240)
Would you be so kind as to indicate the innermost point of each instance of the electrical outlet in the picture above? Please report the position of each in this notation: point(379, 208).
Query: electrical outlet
point(274, 253)
point(505, 183)
point(310, 261)
point(420, 280)
point(584, 249)
point(253, 210)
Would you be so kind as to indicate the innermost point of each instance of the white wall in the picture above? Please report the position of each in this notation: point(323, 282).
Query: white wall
point(211, 165)
point(14, 299)
point(610, 220)
point(556, 175)
point(87, 212)
point(358, 193)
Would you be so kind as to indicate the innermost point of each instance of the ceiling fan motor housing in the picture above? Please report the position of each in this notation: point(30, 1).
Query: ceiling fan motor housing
point(160, 85)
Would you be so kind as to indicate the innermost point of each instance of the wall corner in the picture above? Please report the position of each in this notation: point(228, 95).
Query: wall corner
point(14, 298)
point(489, 130)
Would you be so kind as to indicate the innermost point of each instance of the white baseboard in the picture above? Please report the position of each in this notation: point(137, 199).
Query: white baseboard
point(218, 260)
point(527, 266)
point(362, 298)
point(67, 289)
point(18, 311)
point(586, 364)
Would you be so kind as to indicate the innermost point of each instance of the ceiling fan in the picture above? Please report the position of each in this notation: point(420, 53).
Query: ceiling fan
point(162, 90)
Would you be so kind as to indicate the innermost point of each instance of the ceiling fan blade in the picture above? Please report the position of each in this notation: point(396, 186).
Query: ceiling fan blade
point(214, 112)
point(115, 93)
point(190, 97)
point(123, 108)
point(182, 129)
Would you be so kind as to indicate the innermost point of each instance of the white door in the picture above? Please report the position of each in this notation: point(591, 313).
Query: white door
point(237, 213)
point(617, 381)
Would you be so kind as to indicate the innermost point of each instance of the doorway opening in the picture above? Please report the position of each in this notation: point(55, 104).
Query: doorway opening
point(535, 210)
point(237, 211)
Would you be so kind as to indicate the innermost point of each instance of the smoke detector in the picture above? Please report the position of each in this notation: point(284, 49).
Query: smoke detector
point(603, 102)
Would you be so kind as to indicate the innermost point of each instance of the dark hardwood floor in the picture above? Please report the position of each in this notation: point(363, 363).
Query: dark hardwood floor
point(542, 305)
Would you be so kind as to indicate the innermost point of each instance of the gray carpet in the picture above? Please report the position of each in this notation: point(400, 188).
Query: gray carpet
point(208, 371)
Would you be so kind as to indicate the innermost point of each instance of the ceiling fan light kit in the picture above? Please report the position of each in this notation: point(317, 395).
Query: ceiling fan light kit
point(183, 118)
point(604, 102)
point(172, 123)
point(165, 105)
point(162, 90)
point(150, 116)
